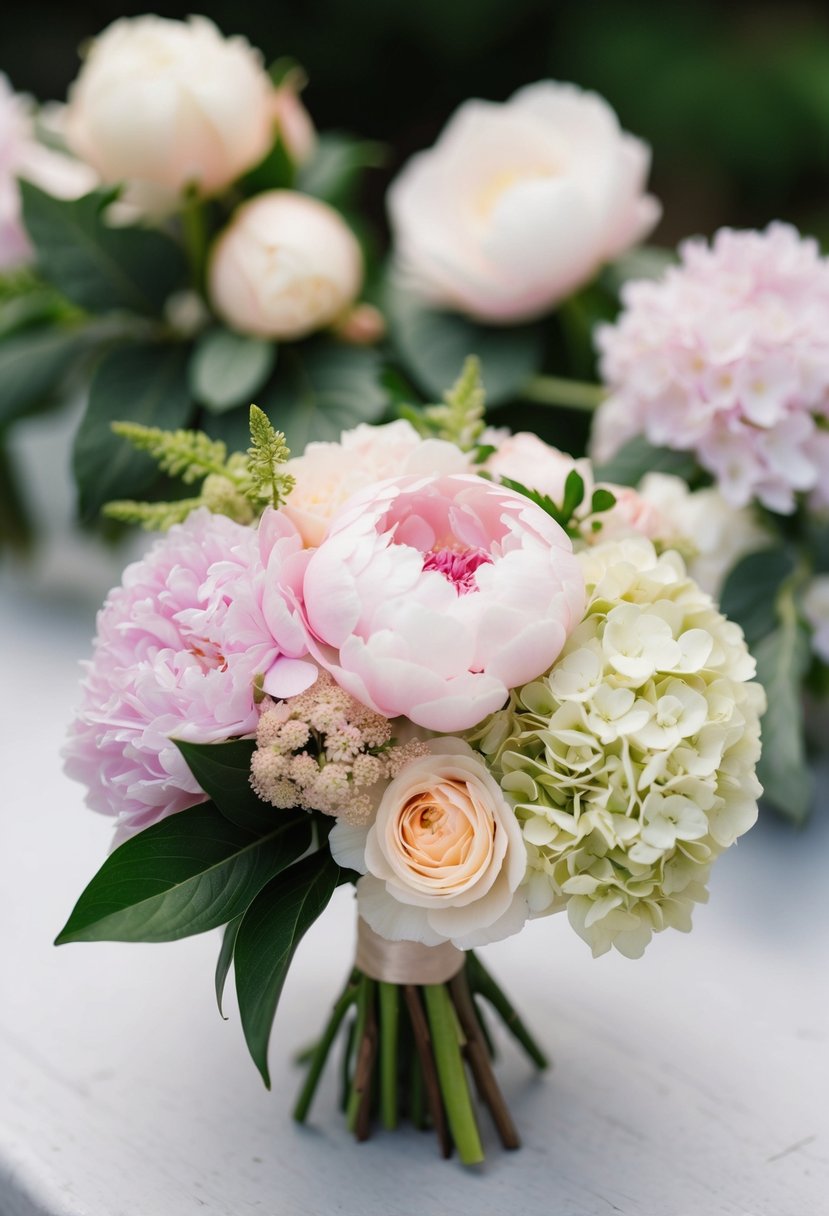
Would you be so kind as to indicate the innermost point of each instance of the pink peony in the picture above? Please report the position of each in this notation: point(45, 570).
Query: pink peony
point(431, 597)
point(727, 356)
point(178, 646)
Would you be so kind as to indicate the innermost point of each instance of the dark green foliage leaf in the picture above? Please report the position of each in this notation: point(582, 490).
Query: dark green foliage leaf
point(782, 661)
point(573, 494)
point(541, 500)
point(96, 266)
point(34, 361)
point(225, 958)
point(276, 171)
point(749, 596)
point(638, 457)
point(271, 930)
point(146, 384)
point(336, 168)
point(434, 345)
point(223, 771)
point(228, 369)
point(16, 531)
point(322, 388)
point(602, 500)
point(192, 872)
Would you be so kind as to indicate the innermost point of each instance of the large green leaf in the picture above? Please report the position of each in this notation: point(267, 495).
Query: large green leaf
point(749, 596)
point(33, 362)
point(146, 384)
point(192, 872)
point(322, 388)
point(223, 771)
point(433, 346)
point(228, 369)
point(638, 457)
point(223, 962)
point(96, 266)
point(271, 930)
point(782, 661)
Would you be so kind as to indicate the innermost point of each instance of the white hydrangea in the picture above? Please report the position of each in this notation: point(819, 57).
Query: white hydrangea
point(631, 764)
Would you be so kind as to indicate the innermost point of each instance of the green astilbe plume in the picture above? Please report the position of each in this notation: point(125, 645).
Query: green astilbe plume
point(240, 485)
point(460, 418)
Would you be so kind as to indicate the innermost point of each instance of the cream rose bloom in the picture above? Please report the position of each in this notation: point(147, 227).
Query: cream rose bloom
point(167, 104)
point(444, 858)
point(327, 474)
point(285, 266)
point(518, 204)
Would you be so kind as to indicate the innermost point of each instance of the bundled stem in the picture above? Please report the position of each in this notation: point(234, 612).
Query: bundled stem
point(413, 1049)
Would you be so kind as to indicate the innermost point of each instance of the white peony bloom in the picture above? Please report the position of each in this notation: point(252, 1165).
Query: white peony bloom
point(285, 266)
point(520, 203)
point(631, 764)
point(170, 104)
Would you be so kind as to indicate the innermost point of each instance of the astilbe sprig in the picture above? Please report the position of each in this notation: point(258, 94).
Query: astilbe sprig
point(459, 418)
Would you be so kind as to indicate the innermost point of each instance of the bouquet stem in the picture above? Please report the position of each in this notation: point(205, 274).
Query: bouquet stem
point(414, 1049)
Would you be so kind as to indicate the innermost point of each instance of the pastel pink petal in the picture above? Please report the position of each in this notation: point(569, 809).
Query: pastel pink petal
point(289, 677)
point(469, 699)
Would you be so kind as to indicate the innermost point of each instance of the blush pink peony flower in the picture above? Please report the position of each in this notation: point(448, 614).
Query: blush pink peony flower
point(431, 597)
point(727, 355)
point(178, 646)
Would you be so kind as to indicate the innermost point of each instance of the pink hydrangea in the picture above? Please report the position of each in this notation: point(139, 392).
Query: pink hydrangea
point(177, 649)
point(727, 356)
point(432, 596)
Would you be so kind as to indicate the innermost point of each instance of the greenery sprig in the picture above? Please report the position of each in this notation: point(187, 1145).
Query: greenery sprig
point(460, 417)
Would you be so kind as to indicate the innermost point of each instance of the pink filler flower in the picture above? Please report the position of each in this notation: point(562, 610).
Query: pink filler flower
point(432, 597)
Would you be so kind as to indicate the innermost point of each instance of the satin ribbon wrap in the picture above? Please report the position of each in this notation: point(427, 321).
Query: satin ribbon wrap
point(405, 962)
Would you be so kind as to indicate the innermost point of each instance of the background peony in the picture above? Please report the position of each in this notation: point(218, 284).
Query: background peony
point(431, 597)
point(171, 660)
point(285, 266)
point(444, 858)
point(631, 764)
point(727, 356)
point(169, 104)
point(518, 204)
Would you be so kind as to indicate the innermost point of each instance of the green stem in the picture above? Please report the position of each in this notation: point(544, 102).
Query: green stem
point(482, 983)
point(194, 231)
point(365, 995)
point(416, 1107)
point(389, 1021)
point(320, 1053)
point(454, 1086)
point(574, 394)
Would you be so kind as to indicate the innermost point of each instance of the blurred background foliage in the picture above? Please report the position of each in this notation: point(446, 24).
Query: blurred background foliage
point(734, 99)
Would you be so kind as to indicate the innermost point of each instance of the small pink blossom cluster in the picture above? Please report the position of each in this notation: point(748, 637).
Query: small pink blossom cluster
point(324, 751)
point(727, 356)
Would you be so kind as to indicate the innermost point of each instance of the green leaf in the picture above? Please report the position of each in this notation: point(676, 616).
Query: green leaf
point(96, 266)
point(191, 872)
point(541, 500)
point(334, 171)
point(641, 262)
point(276, 171)
point(271, 930)
point(638, 457)
point(323, 388)
point(228, 369)
point(602, 500)
point(782, 661)
point(145, 384)
point(223, 771)
point(16, 530)
point(749, 596)
point(434, 345)
point(573, 494)
point(225, 958)
point(33, 362)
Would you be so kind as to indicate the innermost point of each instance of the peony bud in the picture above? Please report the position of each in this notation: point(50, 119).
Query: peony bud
point(170, 104)
point(285, 266)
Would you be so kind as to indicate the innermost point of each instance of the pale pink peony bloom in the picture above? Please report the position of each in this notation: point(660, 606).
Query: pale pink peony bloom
point(21, 155)
point(445, 856)
point(431, 597)
point(520, 203)
point(727, 355)
point(177, 649)
point(327, 474)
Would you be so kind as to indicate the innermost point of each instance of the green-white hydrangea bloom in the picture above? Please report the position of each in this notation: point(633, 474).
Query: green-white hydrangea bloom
point(631, 764)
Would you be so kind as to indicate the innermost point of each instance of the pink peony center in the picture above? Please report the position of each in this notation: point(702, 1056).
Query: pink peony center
point(206, 653)
point(457, 566)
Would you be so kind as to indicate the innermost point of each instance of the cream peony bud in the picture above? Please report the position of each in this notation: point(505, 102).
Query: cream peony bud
point(169, 104)
point(285, 266)
point(518, 204)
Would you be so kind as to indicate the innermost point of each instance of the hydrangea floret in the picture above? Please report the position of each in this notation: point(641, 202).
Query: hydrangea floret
point(630, 765)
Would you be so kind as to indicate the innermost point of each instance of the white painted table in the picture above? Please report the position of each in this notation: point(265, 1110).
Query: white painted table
point(692, 1083)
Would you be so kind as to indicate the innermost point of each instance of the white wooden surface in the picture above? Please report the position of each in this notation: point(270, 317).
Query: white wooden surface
point(691, 1083)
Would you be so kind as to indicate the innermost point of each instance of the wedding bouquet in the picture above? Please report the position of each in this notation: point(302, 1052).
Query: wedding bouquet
point(477, 685)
